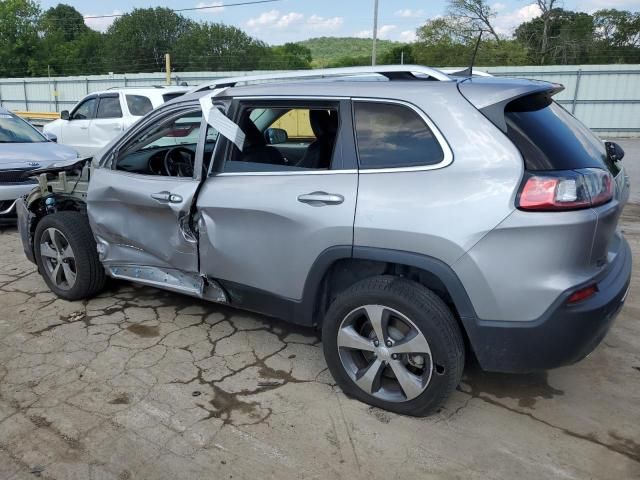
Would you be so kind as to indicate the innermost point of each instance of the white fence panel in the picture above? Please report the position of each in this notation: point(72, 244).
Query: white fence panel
point(605, 97)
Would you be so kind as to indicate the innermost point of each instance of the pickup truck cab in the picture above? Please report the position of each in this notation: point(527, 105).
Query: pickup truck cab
point(101, 116)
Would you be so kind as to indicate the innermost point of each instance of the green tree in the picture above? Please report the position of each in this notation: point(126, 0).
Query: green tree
point(291, 56)
point(476, 14)
point(18, 36)
point(138, 41)
point(617, 37)
point(67, 46)
point(398, 54)
point(443, 41)
point(216, 47)
point(569, 38)
point(447, 41)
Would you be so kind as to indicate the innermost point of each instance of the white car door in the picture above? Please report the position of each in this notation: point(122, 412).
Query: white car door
point(75, 131)
point(108, 122)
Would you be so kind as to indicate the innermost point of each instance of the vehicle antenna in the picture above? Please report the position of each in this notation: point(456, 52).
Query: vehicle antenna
point(469, 71)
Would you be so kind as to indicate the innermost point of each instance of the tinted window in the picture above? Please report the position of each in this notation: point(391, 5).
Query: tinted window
point(550, 138)
point(139, 105)
point(109, 107)
point(170, 96)
point(85, 110)
point(393, 136)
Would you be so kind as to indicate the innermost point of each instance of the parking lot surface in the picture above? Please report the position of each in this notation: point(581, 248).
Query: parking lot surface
point(141, 383)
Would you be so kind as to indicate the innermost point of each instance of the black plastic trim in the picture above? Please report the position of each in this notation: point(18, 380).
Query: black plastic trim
point(430, 264)
point(563, 335)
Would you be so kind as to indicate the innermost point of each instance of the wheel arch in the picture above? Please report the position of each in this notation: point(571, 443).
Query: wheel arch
point(337, 268)
point(34, 208)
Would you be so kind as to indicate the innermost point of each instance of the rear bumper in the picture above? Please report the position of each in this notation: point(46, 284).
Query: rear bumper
point(565, 334)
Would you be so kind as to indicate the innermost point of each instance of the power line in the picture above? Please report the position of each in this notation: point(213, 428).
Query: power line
point(210, 7)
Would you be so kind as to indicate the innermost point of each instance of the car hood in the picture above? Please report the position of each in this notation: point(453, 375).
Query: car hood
point(26, 155)
point(52, 125)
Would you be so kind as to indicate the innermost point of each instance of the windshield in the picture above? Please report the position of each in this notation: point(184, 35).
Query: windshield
point(16, 130)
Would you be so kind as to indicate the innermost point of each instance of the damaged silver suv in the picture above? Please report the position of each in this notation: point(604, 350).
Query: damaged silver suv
point(415, 217)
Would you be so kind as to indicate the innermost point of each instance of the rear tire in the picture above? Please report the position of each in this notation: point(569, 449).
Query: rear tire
point(67, 257)
point(419, 362)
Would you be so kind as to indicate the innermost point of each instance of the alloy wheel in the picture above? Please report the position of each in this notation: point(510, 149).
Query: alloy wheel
point(385, 353)
point(58, 258)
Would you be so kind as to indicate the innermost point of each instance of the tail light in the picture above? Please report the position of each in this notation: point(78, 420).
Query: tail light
point(566, 190)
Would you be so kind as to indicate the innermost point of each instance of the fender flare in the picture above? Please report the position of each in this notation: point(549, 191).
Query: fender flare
point(426, 263)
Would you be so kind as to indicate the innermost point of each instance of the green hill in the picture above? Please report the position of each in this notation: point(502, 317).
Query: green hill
point(326, 50)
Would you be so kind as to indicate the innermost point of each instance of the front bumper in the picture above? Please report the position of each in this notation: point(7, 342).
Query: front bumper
point(24, 228)
point(564, 335)
point(9, 192)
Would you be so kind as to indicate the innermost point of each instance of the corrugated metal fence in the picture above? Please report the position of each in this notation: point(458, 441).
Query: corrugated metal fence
point(605, 97)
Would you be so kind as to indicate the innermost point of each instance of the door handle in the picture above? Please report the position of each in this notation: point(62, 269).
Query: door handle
point(318, 199)
point(166, 197)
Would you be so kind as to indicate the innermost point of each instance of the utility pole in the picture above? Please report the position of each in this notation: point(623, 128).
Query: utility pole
point(49, 76)
point(401, 57)
point(167, 65)
point(375, 32)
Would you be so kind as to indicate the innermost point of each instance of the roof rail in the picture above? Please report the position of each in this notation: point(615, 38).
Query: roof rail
point(122, 87)
point(392, 72)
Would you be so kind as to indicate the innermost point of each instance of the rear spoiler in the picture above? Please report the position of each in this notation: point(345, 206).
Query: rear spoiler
point(491, 95)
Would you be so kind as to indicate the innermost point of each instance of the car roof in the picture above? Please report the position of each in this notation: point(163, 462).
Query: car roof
point(407, 90)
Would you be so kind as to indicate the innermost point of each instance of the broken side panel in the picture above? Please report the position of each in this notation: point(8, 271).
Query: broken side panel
point(142, 219)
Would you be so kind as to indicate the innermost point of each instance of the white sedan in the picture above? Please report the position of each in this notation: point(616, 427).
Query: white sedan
point(101, 116)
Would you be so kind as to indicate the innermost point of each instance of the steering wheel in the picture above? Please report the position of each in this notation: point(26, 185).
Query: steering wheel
point(178, 162)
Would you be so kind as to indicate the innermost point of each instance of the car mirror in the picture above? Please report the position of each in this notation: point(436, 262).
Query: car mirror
point(52, 137)
point(614, 151)
point(274, 136)
point(64, 115)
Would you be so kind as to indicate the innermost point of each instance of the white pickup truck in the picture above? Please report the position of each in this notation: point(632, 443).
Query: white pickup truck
point(100, 116)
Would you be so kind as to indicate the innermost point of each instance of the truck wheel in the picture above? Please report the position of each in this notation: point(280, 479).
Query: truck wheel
point(67, 257)
point(393, 344)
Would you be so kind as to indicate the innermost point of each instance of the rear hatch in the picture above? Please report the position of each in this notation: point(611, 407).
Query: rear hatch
point(557, 147)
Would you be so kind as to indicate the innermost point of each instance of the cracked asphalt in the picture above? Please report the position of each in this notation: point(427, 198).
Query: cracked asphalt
point(140, 383)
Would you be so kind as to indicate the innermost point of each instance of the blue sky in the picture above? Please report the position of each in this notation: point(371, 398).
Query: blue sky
point(292, 20)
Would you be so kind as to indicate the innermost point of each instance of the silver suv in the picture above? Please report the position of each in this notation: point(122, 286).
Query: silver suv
point(415, 217)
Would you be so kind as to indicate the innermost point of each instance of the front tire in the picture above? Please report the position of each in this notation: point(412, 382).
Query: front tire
point(67, 258)
point(393, 344)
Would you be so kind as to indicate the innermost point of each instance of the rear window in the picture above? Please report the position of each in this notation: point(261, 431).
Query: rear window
point(391, 135)
point(550, 138)
point(171, 96)
point(139, 105)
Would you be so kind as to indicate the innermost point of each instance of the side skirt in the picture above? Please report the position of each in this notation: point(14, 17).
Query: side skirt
point(170, 279)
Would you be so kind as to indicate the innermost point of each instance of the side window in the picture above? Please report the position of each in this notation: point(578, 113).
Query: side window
point(109, 107)
point(297, 125)
point(285, 139)
point(167, 147)
point(85, 110)
point(139, 105)
point(390, 135)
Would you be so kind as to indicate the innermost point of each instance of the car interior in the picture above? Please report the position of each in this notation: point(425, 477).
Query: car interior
point(306, 141)
point(169, 149)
